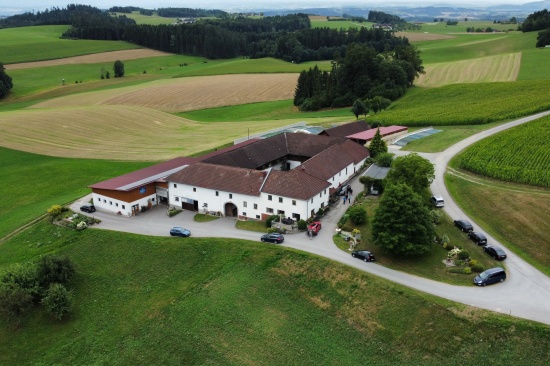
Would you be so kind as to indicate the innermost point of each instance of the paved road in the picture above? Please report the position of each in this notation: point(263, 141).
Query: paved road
point(525, 294)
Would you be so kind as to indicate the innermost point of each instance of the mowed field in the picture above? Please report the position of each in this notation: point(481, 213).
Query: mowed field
point(185, 94)
point(118, 132)
point(497, 68)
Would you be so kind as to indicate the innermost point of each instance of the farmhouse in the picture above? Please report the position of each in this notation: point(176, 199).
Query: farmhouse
point(389, 134)
point(292, 174)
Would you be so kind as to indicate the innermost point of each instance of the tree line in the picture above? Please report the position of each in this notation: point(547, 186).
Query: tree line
point(538, 21)
point(53, 16)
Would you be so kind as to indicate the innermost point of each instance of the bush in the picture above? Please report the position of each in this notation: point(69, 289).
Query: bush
point(172, 211)
point(14, 302)
point(477, 268)
point(384, 159)
point(467, 270)
point(459, 262)
point(320, 212)
point(302, 225)
point(463, 255)
point(270, 219)
point(343, 220)
point(58, 300)
point(52, 269)
point(473, 262)
point(55, 210)
point(436, 217)
point(357, 215)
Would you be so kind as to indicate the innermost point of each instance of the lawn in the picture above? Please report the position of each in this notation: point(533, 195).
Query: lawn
point(430, 265)
point(43, 43)
point(516, 215)
point(156, 300)
point(33, 183)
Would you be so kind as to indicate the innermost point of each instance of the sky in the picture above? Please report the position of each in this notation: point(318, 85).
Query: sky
point(229, 5)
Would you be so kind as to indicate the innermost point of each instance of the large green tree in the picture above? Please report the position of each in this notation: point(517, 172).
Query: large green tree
point(402, 223)
point(412, 170)
point(5, 82)
point(377, 146)
point(118, 69)
point(359, 108)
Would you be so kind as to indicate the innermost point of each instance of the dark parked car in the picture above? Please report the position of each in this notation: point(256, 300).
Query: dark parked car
point(288, 221)
point(314, 227)
point(490, 276)
point(477, 238)
point(87, 208)
point(365, 255)
point(343, 190)
point(464, 225)
point(273, 238)
point(495, 252)
point(179, 231)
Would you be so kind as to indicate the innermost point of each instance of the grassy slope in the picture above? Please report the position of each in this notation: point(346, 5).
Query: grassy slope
point(43, 43)
point(170, 301)
point(148, 19)
point(33, 183)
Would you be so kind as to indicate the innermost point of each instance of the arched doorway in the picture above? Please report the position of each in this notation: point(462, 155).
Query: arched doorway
point(231, 210)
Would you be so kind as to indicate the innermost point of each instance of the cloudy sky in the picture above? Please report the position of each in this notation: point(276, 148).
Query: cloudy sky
point(29, 5)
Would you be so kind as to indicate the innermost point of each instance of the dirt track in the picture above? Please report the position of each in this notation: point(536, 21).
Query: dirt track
point(91, 59)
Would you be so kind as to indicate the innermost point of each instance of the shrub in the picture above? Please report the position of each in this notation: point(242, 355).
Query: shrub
point(81, 225)
point(14, 302)
point(473, 262)
point(343, 220)
point(320, 212)
point(302, 225)
point(58, 300)
point(52, 269)
point(347, 227)
point(445, 239)
point(272, 230)
point(384, 159)
point(436, 217)
point(463, 255)
point(459, 262)
point(477, 268)
point(172, 211)
point(55, 210)
point(467, 270)
point(270, 219)
point(357, 215)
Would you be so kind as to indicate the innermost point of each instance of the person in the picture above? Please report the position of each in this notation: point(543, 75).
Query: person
point(349, 199)
point(345, 198)
point(310, 234)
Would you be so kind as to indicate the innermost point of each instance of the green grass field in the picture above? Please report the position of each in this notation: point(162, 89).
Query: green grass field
point(148, 19)
point(33, 183)
point(443, 28)
point(463, 104)
point(43, 43)
point(152, 300)
point(518, 155)
point(534, 64)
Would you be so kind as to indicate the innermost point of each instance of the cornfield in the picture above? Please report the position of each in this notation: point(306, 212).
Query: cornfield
point(521, 154)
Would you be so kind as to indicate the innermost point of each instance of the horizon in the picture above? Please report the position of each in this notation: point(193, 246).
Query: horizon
point(244, 5)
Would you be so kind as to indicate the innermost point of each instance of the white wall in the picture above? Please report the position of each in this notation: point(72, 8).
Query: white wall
point(105, 203)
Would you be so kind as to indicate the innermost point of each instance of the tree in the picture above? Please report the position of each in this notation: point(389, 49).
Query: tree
point(14, 301)
point(543, 39)
point(359, 108)
point(58, 300)
point(54, 269)
point(5, 82)
point(377, 145)
point(412, 170)
point(384, 159)
point(118, 69)
point(402, 224)
point(357, 215)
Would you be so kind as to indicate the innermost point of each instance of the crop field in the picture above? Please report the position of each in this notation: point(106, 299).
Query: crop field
point(43, 43)
point(184, 94)
point(118, 133)
point(186, 305)
point(497, 68)
point(148, 19)
point(442, 27)
point(318, 21)
point(534, 64)
point(519, 154)
point(461, 104)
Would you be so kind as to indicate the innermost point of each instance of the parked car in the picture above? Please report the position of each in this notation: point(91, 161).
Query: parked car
point(365, 255)
point(179, 231)
point(495, 252)
point(464, 225)
point(477, 238)
point(273, 238)
point(314, 227)
point(437, 201)
point(373, 190)
point(490, 276)
point(343, 190)
point(288, 221)
point(87, 208)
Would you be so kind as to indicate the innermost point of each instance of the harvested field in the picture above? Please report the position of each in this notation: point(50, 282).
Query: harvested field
point(91, 59)
point(190, 93)
point(486, 69)
point(417, 37)
point(118, 133)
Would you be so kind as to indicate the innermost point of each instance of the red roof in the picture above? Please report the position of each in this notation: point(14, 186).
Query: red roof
point(144, 176)
point(384, 131)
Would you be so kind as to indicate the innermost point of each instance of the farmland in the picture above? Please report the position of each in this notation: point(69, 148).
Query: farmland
point(517, 155)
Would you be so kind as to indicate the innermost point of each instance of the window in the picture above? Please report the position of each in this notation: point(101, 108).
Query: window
point(258, 217)
point(269, 210)
point(194, 189)
point(269, 197)
point(340, 174)
point(217, 193)
point(293, 202)
point(346, 170)
point(280, 199)
point(244, 204)
point(325, 191)
point(321, 194)
point(230, 195)
point(175, 185)
point(312, 200)
point(244, 213)
point(177, 199)
point(104, 200)
point(255, 206)
point(116, 204)
point(153, 199)
point(123, 207)
point(280, 212)
point(111, 203)
point(322, 204)
point(333, 179)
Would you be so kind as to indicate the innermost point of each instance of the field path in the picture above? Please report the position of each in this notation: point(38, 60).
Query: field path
point(91, 59)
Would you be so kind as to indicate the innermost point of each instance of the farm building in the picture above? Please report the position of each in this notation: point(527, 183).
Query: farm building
point(389, 134)
point(346, 129)
point(292, 174)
